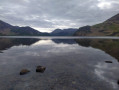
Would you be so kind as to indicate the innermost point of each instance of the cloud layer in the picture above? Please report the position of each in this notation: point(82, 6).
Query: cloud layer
point(47, 15)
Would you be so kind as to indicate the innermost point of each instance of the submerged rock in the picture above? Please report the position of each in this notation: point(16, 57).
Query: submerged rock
point(108, 61)
point(118, 82)
point(24, 71)
point(40, 69)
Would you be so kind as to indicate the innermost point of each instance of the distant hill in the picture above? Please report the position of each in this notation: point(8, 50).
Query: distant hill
point(63, 32)
point(7, 29)
point(108, 28)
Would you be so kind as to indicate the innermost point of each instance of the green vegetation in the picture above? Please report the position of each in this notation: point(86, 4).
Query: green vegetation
point(107, 28)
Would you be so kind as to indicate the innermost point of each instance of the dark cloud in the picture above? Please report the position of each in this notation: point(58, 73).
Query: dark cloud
point(49, 14)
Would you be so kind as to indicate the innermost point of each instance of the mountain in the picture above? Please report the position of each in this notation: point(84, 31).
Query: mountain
point(63, 32)
point(7, 29)
point(108, 28)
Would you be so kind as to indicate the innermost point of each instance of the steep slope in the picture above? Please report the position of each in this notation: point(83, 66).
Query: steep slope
point(7, 29)
point(25, 31)
point(4, 25)
point(63, 32)
point(108, 28)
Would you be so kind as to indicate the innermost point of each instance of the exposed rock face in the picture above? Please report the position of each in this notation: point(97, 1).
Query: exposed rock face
point(118, 82)
point(108, 61)
point(24, 71)
point(40, 69)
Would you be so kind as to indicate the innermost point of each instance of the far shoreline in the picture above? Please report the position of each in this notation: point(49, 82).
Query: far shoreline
point(63, 37)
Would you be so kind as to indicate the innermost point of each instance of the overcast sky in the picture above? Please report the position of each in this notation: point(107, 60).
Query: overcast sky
point(47, 15)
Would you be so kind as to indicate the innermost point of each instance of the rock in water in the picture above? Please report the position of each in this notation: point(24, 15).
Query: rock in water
point(118, 82)
point(40, 69)
point(108, 61)
point(24, 71)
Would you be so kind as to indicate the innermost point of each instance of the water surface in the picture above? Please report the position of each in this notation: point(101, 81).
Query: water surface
point(71, 63)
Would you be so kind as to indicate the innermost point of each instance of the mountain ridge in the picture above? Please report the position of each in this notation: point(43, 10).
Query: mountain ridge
point(10, 30)
point(110, 27)
point(63, 32)
point(7, 29)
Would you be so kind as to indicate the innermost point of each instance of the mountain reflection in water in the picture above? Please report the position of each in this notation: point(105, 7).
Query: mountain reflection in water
point(72, 64)
point(6, 43)
point(110, 46)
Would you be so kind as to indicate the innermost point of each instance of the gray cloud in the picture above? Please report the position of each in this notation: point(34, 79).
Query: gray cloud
point(50, 14)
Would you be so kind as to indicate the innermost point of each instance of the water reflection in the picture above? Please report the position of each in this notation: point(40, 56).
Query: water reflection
point(6, 43)
point(110, 46)
point(70, 66)
point(108, 72)
point(105, 71)
point(65, 41)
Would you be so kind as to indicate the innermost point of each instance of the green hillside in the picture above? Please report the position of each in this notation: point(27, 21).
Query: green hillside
point(108, 28)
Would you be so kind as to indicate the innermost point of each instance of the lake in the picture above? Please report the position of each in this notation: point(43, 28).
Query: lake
point(72, 63)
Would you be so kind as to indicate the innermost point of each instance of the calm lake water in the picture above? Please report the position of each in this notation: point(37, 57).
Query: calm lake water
point(71, 63)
